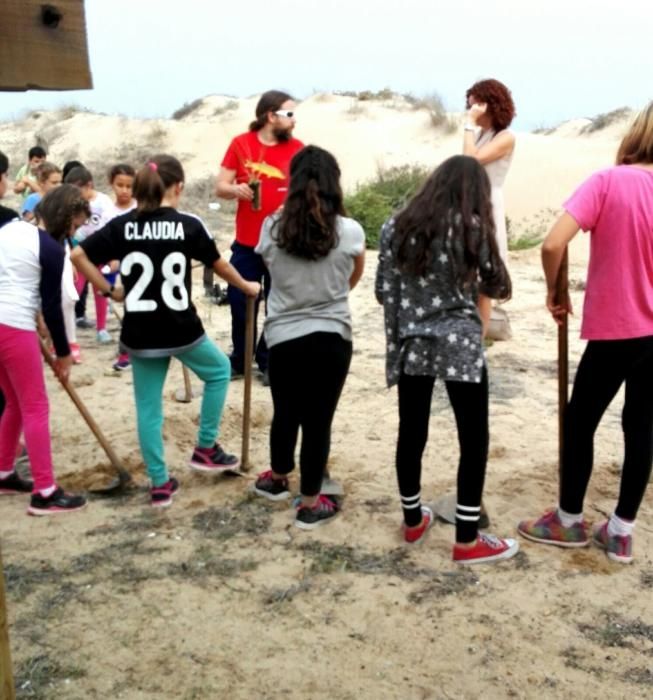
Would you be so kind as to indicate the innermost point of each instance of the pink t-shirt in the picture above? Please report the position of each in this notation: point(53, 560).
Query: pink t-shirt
point(616, 205)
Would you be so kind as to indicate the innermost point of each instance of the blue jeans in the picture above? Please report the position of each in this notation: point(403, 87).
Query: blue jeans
point(251, 267)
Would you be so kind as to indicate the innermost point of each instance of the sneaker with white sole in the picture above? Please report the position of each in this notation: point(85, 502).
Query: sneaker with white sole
point(310, 517)
point(548, 529)
point(416, 533)
point(161, 496)
point(486, 549)
point(56, 503)
point(617, 547)
point(104, 337)
point(213, 459)
point(269, 487)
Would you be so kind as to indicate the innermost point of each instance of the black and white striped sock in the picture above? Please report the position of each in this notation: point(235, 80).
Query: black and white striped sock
point(412, 508)
point(467, 518)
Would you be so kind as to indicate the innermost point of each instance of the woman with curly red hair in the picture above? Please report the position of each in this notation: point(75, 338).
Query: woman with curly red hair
point(490, 111)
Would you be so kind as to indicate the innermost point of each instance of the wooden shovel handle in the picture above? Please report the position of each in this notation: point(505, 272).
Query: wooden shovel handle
point(188, 388)
point(95, 428)
point(562, 290)
point(247, 392)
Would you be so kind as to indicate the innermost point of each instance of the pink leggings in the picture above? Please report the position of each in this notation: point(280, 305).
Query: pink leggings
point(101, 303)
point(27, 410)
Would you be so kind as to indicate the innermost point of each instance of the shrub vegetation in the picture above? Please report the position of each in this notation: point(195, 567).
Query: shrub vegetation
point(374, 201)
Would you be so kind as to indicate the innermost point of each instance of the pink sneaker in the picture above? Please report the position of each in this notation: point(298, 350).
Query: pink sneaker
point(416, 533)
point(487, 548)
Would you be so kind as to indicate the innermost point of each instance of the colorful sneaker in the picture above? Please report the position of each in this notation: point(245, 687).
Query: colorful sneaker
point(161, 496)
point(76, 353)
point(617, 547)
point(272, 489)
point(122, 363)
point(416, 533)
point(549, 530)
point(324, 510)
point(104, 336)
point(487, 548)
point(57, 502)
point(13, 484)
point(213, 459)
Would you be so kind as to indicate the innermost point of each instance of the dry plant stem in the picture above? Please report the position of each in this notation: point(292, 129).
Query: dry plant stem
point(7, 691)
point(562, 289)
point(247, 393)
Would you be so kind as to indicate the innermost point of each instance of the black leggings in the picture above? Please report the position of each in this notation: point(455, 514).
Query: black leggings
point(470, 406)
point(604, 367)
point(306, 378)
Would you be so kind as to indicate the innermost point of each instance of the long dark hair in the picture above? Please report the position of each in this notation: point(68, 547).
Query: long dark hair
point(153, 179)
point(269, 101)
point(58, 208)
point(456, 199)
point(307, 226)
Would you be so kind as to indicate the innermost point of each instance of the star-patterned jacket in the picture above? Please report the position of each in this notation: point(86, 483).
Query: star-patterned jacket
point(432, 324)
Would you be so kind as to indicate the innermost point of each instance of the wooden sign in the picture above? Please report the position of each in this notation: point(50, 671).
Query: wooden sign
point(43, 45)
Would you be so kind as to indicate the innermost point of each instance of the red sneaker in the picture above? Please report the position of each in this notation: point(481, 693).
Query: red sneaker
point(416, 533)
point(487, 548)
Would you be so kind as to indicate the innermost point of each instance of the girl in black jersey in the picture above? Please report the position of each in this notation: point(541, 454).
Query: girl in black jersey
point(155, 245)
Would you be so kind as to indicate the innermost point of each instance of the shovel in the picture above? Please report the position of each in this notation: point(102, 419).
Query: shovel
point(189, 392)
point(562, 290)
point(247, 389)
point(122, 478)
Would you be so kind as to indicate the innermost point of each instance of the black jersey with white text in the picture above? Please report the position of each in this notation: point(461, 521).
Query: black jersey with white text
point(155, 251)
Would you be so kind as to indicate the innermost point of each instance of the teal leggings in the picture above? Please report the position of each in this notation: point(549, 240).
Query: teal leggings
point(212, 366)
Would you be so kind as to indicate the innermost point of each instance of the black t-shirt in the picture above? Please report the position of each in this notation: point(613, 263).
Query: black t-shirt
point(155, 252)
point(7, 215)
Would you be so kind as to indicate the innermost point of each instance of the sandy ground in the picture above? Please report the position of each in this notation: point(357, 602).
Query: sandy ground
point(220, 596)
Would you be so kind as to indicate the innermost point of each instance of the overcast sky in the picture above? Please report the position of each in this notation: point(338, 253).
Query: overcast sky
point(561, 58)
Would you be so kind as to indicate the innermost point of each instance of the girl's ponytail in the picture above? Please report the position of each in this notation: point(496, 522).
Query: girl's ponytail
point(153, 179)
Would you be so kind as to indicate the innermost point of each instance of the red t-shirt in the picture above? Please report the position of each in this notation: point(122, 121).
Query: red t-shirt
point(271, 164)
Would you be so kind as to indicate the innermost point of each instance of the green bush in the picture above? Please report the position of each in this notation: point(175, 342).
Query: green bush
point(374, 201)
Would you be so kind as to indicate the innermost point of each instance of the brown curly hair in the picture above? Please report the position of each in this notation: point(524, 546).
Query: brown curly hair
point(500, 107)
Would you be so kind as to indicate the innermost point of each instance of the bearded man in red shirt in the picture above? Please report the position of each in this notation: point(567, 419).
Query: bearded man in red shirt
point(255, 171)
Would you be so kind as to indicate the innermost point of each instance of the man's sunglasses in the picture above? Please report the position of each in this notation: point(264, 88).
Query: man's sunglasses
point(285, 113)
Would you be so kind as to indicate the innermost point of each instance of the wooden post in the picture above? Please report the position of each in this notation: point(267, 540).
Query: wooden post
point(562, 291)
point(247, 393)
point(7, 691)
